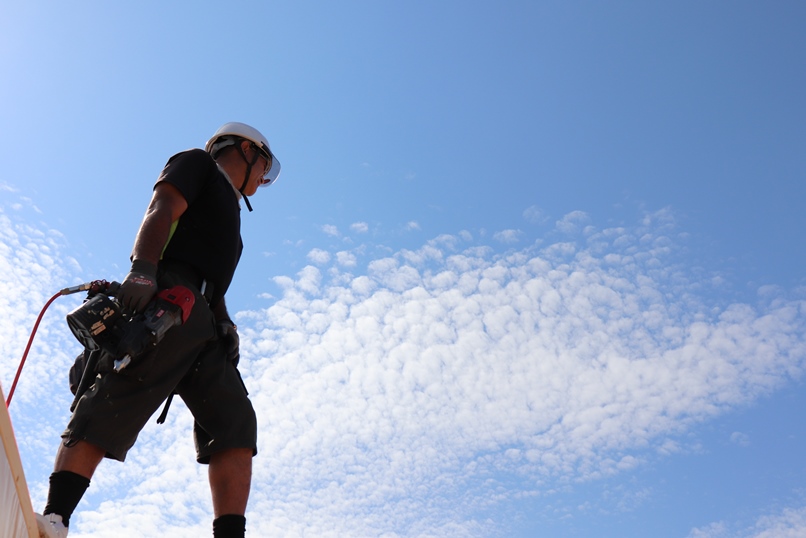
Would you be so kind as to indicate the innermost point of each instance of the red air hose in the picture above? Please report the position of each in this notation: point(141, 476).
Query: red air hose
point(28, 347)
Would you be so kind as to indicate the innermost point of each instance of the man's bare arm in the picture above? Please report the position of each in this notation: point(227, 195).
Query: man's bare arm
point(167, 205)
point(140, 285)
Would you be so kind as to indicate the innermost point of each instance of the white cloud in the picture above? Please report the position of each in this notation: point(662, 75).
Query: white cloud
point(33, 269)
point(319, 256)
point(739, 438)
point(330, 229)
point(412, 225)
point(359, 227)
point(507, 236)
point(346, 259)
point(392, 402)
point(535, 215)
point(789, 523)
point(785, 523)
point(713, 530)
point(572, 222)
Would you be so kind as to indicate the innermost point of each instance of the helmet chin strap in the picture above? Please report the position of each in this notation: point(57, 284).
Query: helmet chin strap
point(245, 197)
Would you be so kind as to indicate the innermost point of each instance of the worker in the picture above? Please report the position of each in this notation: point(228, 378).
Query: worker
point(189, 236)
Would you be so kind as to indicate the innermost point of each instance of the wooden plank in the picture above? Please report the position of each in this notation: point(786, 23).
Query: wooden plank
point(16, 511)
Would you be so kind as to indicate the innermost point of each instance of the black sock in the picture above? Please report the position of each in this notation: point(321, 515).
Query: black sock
point(229, 526)
point(66, 490)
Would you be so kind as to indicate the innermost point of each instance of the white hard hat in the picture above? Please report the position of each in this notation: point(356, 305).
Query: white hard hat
point(227, 134)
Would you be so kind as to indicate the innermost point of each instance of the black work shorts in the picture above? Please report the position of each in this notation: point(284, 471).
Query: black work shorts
point(216, 395)
point(191, 361)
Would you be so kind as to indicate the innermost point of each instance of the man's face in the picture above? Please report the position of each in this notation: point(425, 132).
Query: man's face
point(259, 169)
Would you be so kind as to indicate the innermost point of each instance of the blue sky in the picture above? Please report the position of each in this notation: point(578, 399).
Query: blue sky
point(530, 269)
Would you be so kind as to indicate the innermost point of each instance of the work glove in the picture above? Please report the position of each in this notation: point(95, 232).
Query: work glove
point(228, 332)
point(139, 286)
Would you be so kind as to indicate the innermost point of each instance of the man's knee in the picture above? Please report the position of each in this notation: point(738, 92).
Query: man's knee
point(81, 457)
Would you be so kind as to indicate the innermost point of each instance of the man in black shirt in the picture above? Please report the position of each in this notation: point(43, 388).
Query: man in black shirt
point(190, 236)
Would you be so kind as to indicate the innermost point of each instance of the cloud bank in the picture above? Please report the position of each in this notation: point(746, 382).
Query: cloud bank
point(398, 397)
point(419, 393)
point(786, 523)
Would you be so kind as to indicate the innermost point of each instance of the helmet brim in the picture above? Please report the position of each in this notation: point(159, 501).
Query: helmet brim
point(273, 172)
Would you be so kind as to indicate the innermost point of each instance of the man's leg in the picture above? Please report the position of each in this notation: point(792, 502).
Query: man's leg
point(230, 473)
point(81, 458)
point(74, 467)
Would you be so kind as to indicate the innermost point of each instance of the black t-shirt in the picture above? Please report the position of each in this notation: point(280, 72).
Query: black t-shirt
point(208, 234)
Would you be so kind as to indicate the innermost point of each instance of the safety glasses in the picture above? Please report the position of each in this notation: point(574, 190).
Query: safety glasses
point(272, 171)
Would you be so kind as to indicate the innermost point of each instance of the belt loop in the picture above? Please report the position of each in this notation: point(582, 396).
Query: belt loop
point(206, 290)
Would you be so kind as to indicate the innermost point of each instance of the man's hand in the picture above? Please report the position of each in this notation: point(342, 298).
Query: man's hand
point(228, 332)
point(139, 286)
